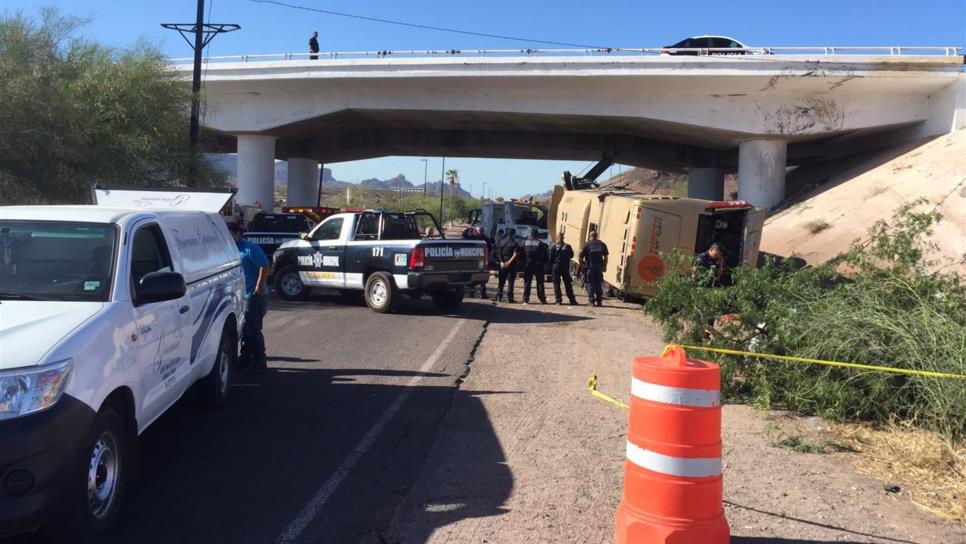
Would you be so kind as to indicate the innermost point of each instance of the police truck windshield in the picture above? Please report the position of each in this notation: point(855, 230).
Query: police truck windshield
point(55, 260)
point(279, 223)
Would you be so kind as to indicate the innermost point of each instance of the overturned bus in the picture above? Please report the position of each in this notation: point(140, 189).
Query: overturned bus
point(641, 230)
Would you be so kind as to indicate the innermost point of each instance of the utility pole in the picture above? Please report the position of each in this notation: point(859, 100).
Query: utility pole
point(425, 173)
point(483, 194)
point(442, 184)
point(203, 34)
point(321, 173)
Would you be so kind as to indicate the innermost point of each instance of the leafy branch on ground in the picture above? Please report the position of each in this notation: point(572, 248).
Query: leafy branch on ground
point(874, 304)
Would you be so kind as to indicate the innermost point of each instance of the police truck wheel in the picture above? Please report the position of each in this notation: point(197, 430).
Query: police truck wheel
point(447, 300)
point(381, 292)
point(288, 284)
point(97, 482)
point(215, 385)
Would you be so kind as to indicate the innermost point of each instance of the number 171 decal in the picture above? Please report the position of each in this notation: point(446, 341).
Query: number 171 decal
point(377, 251)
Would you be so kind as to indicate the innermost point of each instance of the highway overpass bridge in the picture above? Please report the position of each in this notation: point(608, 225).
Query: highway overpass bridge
point(753, 114)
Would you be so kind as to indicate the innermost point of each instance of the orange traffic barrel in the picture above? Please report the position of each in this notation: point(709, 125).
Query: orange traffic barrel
point(672, 476)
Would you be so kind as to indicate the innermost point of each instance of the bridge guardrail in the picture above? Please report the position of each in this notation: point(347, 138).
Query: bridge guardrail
point(430, 53)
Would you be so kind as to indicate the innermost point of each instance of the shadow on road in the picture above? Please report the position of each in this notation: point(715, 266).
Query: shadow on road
point(773, 540)
point(242, 474)
point(467, 476)
point(755, 540)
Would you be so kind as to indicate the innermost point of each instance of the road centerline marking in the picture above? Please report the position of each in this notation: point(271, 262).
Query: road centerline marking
point(295, 528)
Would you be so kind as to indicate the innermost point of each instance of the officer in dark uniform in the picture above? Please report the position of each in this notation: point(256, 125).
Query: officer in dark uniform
point(476, 233)
point(536, 253)
point(709, 266)
point(509, 255)
point(594, 258)
point(560, 255)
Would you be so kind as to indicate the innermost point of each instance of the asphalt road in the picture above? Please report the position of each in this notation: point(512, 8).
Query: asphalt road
point(320, 449)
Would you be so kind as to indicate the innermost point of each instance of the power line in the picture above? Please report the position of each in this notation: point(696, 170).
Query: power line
point(430, 27)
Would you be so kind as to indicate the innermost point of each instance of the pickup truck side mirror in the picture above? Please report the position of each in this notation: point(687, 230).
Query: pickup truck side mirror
point(303, 236)
point(160, 286)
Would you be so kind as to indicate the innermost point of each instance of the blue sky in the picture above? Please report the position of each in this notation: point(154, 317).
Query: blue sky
point(619, 23)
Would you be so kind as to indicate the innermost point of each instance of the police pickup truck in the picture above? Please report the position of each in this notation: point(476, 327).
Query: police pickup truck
point(270, 230)
point(382, 254)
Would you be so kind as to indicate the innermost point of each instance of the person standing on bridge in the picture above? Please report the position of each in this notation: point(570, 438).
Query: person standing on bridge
point(560, 256)
point(509, 256)
point(314, 46)
point(254, 265)
point(536, 253)
point(594, 257)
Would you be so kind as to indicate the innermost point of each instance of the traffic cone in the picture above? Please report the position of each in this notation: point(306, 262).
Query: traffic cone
point(672, 476)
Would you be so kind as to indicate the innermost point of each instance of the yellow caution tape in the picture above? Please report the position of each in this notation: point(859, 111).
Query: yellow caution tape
point(875, 368)
point(592, 385)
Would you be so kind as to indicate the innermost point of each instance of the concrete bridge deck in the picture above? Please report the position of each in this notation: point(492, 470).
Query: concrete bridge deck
point(721, 112)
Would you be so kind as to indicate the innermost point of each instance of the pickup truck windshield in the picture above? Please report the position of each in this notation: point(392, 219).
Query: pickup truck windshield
point(56, 260)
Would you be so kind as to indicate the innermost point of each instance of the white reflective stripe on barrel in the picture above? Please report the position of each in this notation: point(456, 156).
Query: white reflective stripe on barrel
point(699, 398)
point(673, 466)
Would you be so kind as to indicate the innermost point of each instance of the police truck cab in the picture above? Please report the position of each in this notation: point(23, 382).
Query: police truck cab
point(381, 254)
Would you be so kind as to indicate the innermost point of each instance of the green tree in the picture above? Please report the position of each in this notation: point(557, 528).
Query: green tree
point(453, 177)
point(74, 113)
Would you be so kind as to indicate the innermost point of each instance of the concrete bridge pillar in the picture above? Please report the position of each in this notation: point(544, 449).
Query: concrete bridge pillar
point(303, 182)
point(761, 172)
point(706, 183)
point(256, 170)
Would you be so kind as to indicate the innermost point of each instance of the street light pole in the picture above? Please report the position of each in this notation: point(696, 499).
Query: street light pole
point(442, 178)
point(425, 173)
point(483, 194)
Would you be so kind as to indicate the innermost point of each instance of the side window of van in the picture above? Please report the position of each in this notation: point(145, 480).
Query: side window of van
point(329, 230)
point(149, 253)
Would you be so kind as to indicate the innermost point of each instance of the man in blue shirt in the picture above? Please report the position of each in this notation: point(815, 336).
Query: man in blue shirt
point(255, 266)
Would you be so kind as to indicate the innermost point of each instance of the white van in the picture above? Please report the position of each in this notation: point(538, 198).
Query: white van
point(107, 317)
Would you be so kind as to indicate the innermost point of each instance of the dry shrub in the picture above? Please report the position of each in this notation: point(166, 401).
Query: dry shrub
point(928, 467)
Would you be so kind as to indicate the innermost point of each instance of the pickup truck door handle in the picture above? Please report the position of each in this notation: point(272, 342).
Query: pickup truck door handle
point(184, 309)
point(333, 247)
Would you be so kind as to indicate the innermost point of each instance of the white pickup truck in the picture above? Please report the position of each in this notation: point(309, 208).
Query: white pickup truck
point(107, 317)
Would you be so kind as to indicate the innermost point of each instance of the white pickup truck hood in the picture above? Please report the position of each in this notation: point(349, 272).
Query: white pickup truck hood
point(28, 328)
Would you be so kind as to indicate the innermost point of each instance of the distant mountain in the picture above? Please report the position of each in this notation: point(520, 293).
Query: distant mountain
point(227, 162)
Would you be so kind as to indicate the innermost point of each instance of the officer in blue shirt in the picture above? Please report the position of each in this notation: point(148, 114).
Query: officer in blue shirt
point(255, 266)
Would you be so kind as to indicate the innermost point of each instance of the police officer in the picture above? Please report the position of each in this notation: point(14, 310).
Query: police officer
point(476, 233)
point(560, 255)
point(594, 258)
point(509, 255)
point(535, 250)
point(709, 266)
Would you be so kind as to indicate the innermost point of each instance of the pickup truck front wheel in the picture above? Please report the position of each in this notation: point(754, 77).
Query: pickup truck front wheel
point(447, 300)
point(288, 284)
point(381, 292)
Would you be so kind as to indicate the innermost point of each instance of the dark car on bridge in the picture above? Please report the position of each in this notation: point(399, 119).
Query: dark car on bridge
point(709, 45)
